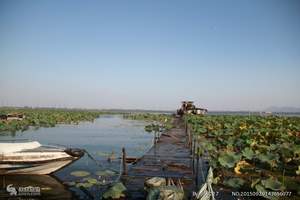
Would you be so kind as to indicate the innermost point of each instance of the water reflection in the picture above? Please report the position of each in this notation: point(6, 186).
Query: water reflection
point(18, 187)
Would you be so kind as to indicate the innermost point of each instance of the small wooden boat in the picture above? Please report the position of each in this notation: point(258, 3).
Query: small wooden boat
point(30, 157)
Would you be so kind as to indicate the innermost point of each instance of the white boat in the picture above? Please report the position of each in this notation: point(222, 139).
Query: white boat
point(30, 157)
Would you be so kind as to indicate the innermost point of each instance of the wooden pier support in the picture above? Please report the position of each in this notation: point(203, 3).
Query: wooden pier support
point(193, 155)
point(124, 171)
point(197, 167)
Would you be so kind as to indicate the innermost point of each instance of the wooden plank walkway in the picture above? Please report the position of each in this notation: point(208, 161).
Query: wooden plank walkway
point(170, 158)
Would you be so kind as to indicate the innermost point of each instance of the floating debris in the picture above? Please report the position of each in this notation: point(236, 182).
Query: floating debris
point(155, 182)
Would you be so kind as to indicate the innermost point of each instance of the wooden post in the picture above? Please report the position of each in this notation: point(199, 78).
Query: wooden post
point(191, 141)
point(193, 155)
point(124, 161)
point(197, 168)
point(192, 144)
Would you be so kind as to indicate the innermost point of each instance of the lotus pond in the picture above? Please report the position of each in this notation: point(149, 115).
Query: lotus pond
point(251, 153)
point(102, 138)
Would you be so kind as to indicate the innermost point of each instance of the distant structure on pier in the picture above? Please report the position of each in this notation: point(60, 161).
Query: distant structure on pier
point(188, 107)
point(12, 116)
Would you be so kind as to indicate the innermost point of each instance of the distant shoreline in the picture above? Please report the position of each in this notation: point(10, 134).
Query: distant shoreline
point(213, 112)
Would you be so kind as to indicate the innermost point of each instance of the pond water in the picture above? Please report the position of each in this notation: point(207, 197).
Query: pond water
point(106, 135)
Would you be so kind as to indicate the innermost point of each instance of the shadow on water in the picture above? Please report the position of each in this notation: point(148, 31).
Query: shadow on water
point(18, 187)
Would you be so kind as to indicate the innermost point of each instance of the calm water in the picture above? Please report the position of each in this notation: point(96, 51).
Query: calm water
point(100, 138)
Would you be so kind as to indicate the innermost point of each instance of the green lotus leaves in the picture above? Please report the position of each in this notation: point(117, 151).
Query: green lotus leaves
point(248, 153)
point(103, 154)
point(208, 146)
point(273, 184)
point(91, 180)
point(80, 173)
point(153, 128)
point(269, 144)
point(85, 185)
point(229, 159)
point(234, 182)
point(296, 150)
point(153, 194)
point(115, 192)
point(298, 171)
point(254, 182)
point(201, 130)
point(269, 158)
point(263, 191)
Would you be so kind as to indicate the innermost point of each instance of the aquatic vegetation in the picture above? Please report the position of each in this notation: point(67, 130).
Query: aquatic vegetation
point(92, 180)
point(103, 154)
point(115, 192)
point(85, 185)
point(106, 172)
point(259, 153)
point(42, 117)
point(80, 173)
point(158, 122)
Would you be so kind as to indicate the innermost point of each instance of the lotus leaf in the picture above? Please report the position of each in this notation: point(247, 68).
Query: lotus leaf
point(298, 171)
point(269, 158)
point(254, 182)
point(153, 194)
point(229, 159)
point(115, 192)
point(234, 182)
point(85, 185)
point(80, 173)
point(248, 153)
point(201, 130)
point(91, 180)
point(263, 191)
point(273, 184)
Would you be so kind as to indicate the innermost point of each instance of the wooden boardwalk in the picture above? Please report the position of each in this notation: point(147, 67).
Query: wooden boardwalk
point(170, 157)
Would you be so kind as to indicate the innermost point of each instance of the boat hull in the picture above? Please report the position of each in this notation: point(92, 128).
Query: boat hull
point(33, 158)
point(35, 168)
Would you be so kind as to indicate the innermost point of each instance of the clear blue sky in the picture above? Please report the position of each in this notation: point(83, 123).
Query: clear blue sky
point(224, 55)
